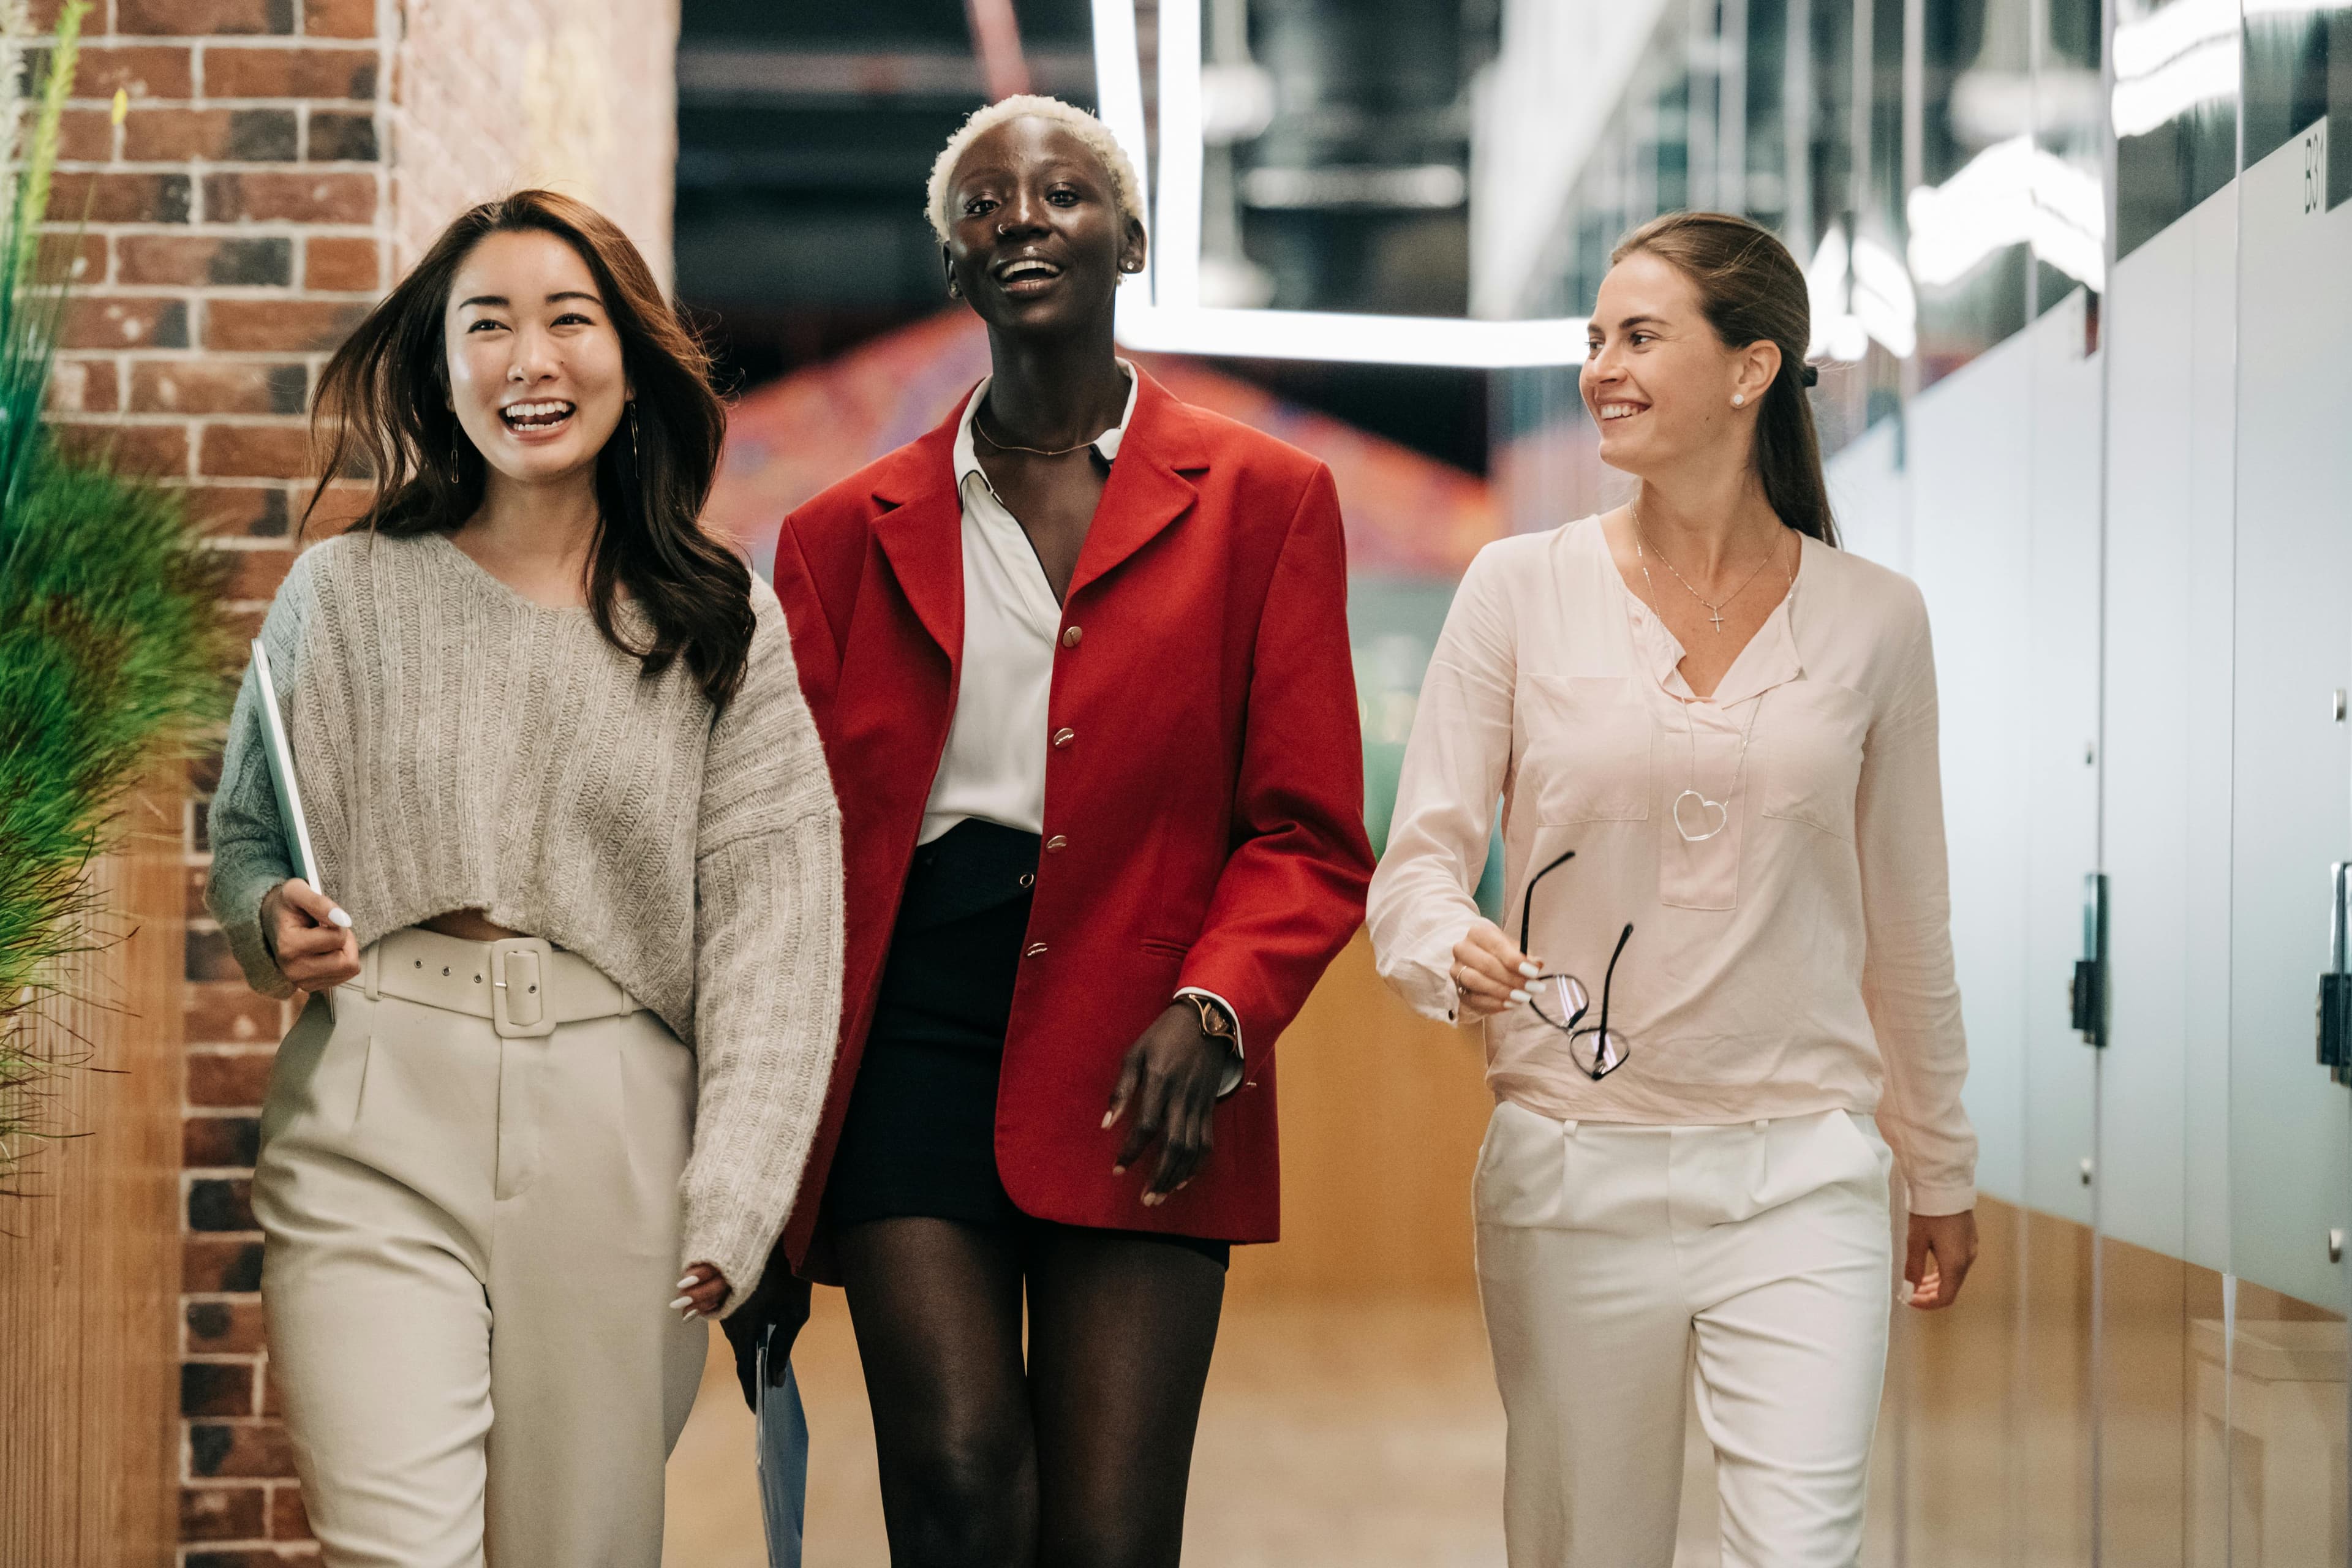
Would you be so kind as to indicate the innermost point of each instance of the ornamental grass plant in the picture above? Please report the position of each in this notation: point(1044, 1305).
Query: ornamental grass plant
point(114, 654)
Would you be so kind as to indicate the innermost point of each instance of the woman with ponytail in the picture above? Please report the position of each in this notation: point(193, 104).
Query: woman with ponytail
point(1723, 1018)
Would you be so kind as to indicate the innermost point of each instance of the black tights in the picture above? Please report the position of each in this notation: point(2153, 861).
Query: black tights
point(1078, 1460)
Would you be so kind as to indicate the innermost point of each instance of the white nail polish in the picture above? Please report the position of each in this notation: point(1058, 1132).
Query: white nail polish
point(1532, 971)
point(339, 918)
point(1110, 1117)
point(681, 1302)
point(691, 1314)
point(1522, 996)
point(685, 1284)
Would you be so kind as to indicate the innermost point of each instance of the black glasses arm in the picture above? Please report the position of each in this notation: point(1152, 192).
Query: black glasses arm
point(1527, 899)
point(1609, 978)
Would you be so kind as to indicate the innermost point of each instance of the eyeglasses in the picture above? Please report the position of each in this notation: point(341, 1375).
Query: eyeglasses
point(1561, 1000)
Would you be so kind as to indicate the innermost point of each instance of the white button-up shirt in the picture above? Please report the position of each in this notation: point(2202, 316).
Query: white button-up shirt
point(994, 766)
point(1792, 947)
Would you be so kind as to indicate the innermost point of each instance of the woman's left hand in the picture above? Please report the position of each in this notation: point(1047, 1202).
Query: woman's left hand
point(705, 1291)
point(1942, 1249)
point(1169, 1079)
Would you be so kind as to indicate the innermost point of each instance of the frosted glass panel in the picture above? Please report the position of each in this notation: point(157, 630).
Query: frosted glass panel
point(2171, 317)
point(2293, 811)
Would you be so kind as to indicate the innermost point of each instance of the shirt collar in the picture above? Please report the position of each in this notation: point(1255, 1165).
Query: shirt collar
point(967, 457)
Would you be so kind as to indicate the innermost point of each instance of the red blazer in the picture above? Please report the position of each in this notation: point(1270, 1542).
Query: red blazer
point(1209, 806)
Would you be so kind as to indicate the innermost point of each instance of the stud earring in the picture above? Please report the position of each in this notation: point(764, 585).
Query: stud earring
point(1739, 400)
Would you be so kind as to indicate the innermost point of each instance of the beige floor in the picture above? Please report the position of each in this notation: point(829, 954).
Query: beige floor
point(1366, 1436)
point(1333, 1437)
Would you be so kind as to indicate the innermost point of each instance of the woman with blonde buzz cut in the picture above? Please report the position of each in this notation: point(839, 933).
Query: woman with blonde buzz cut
point(1079, 659)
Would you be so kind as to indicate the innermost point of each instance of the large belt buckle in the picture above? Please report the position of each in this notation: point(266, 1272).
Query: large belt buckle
point(522, 976)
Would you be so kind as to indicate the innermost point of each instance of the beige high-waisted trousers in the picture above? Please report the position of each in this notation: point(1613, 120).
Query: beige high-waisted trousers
point(1624, 1269)
point(473, 1233)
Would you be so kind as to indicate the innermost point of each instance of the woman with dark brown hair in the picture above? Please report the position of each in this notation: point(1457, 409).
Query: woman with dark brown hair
point(571, 1003)
point(1714, 736)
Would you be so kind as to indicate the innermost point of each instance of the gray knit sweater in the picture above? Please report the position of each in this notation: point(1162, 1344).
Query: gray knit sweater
point(460, 747)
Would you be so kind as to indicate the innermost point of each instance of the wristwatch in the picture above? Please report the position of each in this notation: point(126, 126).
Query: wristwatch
point(1215, 1022)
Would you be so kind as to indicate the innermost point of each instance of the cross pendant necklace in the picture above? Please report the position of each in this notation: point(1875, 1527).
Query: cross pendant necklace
point(1714, 608)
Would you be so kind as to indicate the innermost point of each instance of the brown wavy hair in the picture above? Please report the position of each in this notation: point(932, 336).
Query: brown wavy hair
point(382, 410)
point(1751, 290)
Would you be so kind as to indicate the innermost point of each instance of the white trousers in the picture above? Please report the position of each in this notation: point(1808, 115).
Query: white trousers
point(471, 1243)
point(1614, 1261)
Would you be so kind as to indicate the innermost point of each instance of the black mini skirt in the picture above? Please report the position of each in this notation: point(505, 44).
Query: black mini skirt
point(920, 1139)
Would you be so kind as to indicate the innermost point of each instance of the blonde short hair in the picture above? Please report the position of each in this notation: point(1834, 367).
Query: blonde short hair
point(1126, 188)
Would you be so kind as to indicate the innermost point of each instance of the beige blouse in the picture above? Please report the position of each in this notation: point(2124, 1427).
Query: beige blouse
point(1800, 960)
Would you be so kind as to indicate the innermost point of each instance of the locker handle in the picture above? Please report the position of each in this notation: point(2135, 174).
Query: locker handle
point(2333, 1024)
point(2089, 996)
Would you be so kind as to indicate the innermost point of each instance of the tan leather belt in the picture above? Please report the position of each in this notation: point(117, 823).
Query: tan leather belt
point(524, 986)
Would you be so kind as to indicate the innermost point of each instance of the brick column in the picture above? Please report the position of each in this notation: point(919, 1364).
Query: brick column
point(280, 161)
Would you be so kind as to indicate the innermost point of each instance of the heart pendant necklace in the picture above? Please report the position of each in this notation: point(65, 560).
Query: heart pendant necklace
point(1713, 816)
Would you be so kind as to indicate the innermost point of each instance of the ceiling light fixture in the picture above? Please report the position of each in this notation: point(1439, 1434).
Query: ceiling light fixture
point(1159, 311)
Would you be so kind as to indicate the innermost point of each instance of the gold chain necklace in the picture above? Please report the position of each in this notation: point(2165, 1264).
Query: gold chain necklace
point(1714, 610)
point(1060, 452)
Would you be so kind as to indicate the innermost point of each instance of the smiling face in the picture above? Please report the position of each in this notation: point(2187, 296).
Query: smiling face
point(535, 367)
point(1657, 381)
point(1038, 242)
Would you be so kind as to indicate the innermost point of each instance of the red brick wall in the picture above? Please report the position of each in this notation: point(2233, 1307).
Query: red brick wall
point(280, 159)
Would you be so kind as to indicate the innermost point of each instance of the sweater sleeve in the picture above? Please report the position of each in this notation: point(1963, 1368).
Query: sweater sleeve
point(248, 848)
point(1907, 981)
point(768, 961)
point(1454, 766)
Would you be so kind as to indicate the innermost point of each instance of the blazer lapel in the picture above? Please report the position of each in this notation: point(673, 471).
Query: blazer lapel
point(1147, 490)
point(922, 535)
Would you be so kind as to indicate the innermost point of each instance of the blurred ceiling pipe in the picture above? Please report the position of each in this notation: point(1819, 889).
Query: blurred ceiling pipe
point(996, 40)
point(737, 73)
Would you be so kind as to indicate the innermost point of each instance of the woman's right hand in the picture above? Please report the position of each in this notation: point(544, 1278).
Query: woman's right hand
point(310, 938)
point(1489, 974)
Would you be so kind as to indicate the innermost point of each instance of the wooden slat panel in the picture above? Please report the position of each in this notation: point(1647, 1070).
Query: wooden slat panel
point(1383, 1112)
point(89, 1275)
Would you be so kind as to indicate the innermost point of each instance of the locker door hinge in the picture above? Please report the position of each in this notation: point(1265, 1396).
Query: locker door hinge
point(2334, 1021)
point(2090, 998)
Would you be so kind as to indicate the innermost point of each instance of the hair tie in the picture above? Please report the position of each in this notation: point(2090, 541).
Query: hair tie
point(1811, 377)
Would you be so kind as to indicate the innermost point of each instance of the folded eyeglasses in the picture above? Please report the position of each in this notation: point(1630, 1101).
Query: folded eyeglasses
point(1563, 1000)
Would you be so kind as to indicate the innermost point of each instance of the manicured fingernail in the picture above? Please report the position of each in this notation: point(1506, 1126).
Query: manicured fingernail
point(691, 1314)
point(681, 1302)
point(1110, 1117)
point(1522, 996)
point(1119, 1170)
point(685, 1284)
point(1532, 971)
point(1153, 1200)
point(339, 918)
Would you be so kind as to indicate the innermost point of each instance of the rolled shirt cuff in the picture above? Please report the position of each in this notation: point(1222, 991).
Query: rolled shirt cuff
point(1235, 1067)
point(1932, 1201)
